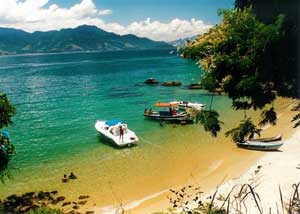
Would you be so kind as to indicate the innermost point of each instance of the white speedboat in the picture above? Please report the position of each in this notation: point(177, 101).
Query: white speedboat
point(111, 129)
point(186, 104)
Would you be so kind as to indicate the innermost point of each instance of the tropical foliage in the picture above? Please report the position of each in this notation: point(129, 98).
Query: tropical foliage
point(7, 111)
point(246, 129)
point(209, 119)
point(235, 57)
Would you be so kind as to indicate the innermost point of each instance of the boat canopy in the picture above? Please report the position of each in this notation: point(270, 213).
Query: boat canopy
point(169, 104)
point(113, 122)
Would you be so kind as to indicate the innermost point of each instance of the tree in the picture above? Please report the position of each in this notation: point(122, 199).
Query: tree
point(7, 150)
point(233, 56)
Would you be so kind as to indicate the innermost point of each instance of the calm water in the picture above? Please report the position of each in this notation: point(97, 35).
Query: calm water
point(60, 96)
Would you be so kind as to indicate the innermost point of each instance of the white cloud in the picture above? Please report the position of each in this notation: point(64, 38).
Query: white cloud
point(33, 15)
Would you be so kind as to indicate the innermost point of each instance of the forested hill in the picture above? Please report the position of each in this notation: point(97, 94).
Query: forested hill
point(82, 38)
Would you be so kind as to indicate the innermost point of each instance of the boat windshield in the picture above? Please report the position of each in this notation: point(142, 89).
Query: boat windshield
point(113, 122)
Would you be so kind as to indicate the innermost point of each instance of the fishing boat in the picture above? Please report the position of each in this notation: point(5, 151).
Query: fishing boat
point(259, 145)
point(270, 139)
point(186, 104)
point(172, 114)
point(111, 129)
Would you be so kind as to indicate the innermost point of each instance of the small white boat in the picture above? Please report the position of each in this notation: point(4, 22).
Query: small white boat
point(186, 104)
point(111, 129)
point(259, 145)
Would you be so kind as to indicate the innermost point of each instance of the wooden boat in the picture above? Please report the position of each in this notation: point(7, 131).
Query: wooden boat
point(151, 81)
point(166, 115)
point(270, 139)
point(111, 130)
point(258, 145)
point(171, 83)
point(171, 115)
point(195, 86)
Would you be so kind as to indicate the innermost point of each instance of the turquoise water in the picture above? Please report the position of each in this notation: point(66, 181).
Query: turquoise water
point(60, 96)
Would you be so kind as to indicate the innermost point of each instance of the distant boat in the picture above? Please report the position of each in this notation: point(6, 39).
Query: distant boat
point(151, 81)
point(171, 83)
point(270, 139)
point(258, 145)
point(111, 130)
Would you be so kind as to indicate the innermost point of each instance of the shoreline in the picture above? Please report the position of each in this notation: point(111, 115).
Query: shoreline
point(238, 174)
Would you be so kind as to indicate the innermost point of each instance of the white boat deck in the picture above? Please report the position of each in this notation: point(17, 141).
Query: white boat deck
point(112, 131)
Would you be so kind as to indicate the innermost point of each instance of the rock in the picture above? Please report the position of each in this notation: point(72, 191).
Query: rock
point(41, 195)
point(28, 194)
point(66, 203)
point(82, 202)
point(54, 192)
point(60, 198)
point(151, 81)
point(76, 207)
point(83, 197)
point(33, 207)
point(195, 86)
point(171, 83)
point(54, 202)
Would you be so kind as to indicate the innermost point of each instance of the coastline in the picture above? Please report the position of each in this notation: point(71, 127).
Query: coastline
point(240, 173)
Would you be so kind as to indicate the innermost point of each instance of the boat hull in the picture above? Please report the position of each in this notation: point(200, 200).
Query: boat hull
point(183, 119)
point(261, 146)
point(129, 138)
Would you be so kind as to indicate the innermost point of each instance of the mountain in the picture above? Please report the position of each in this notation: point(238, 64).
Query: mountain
point(82, 38)
point(179, 43)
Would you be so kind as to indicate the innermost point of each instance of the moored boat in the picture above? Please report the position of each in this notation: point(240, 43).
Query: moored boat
point(171, 115)
point(258, 145)
point(112, 129)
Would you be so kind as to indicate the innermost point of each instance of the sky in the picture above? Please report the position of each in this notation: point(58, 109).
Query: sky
point(161, 20)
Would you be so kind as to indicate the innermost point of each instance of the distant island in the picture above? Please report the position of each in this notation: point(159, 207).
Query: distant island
point(82, 38)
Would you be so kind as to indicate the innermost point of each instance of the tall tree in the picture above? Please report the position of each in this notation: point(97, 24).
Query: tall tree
point(233, 55)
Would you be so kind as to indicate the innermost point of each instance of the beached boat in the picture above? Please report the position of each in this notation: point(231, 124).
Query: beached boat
point(186, 104)
point(111, 130)
point(258, 145)
point(151, 81)
point(270, 139)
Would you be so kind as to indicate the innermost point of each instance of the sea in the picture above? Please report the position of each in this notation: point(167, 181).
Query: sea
point(60, 96)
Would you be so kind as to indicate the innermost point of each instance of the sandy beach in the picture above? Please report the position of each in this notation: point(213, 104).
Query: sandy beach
point(263, 170)
point(273, 170)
